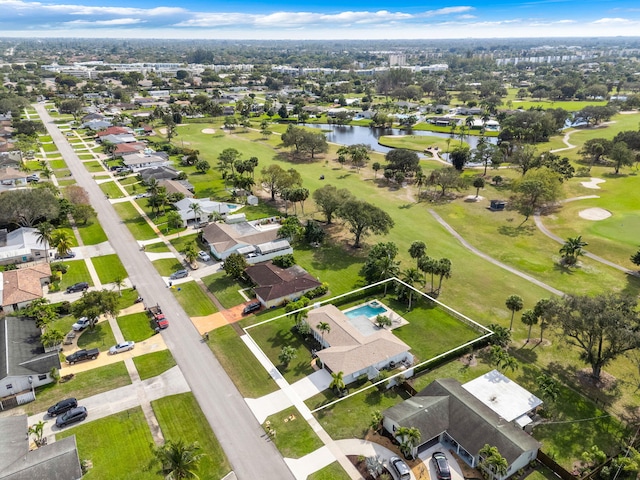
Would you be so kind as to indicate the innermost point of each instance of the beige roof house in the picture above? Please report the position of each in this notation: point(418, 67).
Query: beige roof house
point(349, 350)
point(226, 238)
point(20, 287)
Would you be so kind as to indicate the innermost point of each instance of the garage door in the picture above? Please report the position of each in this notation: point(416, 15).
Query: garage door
point(427, 445)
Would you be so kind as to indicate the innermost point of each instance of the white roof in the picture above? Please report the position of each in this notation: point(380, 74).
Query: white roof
point(21, 242)
point(502, 395)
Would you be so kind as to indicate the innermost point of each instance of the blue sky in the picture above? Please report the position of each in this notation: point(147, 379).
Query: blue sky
point(313, 19)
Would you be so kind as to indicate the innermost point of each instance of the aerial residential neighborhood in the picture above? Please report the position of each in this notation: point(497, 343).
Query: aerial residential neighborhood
point(319, 259)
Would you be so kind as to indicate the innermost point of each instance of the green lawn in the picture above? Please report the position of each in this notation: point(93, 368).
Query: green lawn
point(248, 375)
point(157, 247)
point(86, 156)
point(49, 147)
point(77, 272)
point(294, 436)
point(135, 326)
point(109, 268)
point(180, 417)
point(100, 337)
point(195, 302)
point(111, 189)
point(118, 446)
point(92, 233)
point(57, 164)
point(82, 385)
point(182, 241)
point(415, 142)
point(166, 266)
point(225, 289)
point(94, 166)
point(333, 471)
point(67, 182)
point(153, 364)
point(138, 226)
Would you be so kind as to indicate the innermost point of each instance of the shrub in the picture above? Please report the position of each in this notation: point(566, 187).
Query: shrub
point(59, 267)
point(284, 261)
point(318, 291)
point(63, 308)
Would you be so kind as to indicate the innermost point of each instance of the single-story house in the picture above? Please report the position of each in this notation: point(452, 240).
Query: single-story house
point(177, 186)
point(21, 245)
point(207, 208)
point(161, 172)
point(275, 285)
point(58, 460)
point(350, 351)
point(91, 117)
point(113, 131)
point(18, 288)
point(12, 178)
point(139, 160)
point(119, 138)
point(227, 238)
point(127, 148)
point(11, 159)
point(447, 412)
point(24, 364)
point(96, 125)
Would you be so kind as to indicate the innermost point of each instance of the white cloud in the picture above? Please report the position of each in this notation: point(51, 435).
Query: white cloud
point(447, 11)
point(106, 23)
point(612, 20)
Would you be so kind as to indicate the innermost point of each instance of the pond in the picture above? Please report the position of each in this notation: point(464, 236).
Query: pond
point(352, 134)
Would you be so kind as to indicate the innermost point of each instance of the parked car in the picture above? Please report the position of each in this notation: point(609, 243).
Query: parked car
point(401, 468)
point(78, 287)
point(69, 254)
point(204, 256)
point(252, 307)
point(81, 324)
point(179, 274)
point(122, 347)
point(33, 178)
point(74, 415)
point(62, 406)
point(441, 465)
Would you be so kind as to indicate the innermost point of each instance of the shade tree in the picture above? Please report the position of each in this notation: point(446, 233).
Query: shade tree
point(329, 199)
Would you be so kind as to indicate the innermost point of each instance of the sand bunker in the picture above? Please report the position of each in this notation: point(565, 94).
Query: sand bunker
point(593, 183)
point(594, 214)
point(208, 131)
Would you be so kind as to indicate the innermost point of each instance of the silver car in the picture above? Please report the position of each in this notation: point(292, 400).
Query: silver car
point(122, 347)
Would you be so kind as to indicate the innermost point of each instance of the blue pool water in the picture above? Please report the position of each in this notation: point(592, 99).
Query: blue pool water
point(368, 311)
point(231, 206)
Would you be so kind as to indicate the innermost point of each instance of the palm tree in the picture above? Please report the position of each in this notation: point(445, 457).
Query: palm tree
point(153, 186)
point(417, 250)
point(191, 252)
point(177, 459)
point(492, 461)
point(196, 208)
point(572, 249)
point(337, 382)
point(119, 282)
point(409, 439)
point(410, 277)
point(515, 304)
point(45, 236)
point(323, 327)
point(62, 241)
point(388, 268)
point(443, 270)
point(530, 318)
point(37, 430)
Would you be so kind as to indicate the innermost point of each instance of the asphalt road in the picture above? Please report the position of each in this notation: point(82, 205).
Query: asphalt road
point(242, 438)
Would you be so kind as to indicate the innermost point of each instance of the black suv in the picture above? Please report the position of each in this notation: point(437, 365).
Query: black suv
point(72, 416)
point(78, 287)
point(252, 307)
point(62, 406)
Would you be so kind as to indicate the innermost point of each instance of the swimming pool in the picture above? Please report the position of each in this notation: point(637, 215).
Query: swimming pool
point(369, 310)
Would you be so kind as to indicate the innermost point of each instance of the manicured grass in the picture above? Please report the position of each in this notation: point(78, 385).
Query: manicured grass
point(57, 164)
point(67, 182)
point(195, 302)
point(86, 156)
point(180, 417)
point(166, 266)
point(415, 142)
point(182, 241)
point(294, 436)
point(570, 106)
point(333, 471)
point(157, 247)
point(77, 272)
point(93, 166)
point(118, 446)
point(248, 375)
point(109, 268)
point(153, 364)
point(82, 385)
point(92, 233)
point(138, 226)
point(100, 337)
point(111, 190)
point(135, 326)
point(224, 288)
point(49, 147)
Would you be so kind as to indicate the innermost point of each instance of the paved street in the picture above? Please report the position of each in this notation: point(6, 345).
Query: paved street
point(239, 433)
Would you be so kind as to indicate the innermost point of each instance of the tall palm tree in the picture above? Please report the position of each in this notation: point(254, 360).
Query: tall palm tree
point(530, 318)
point(62, 241)
point(572, 249)
point(196, 208)
point(409, 439)
point(191, 252)
point(492, 461)
point(388, 268)
point(411, 276)
point(417, 250)
point(337, 382)
point(45, 236)
point(119, 282)
point(443, 269)
point(324, 327)
point(515, 304)
point(425, 265)
point(177, 459)
point(153, 186)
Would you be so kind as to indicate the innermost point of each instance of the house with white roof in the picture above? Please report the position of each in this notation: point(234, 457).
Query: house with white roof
point(207, 209)
point(140, 160)
point(21, 245)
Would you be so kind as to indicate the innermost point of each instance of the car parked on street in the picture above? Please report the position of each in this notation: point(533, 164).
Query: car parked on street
point(122, 347)
point(204, 256)
point(401, 468)
point(62, 406)
point(179, 274)
point(74, 415)
point(78, 287)
point(441, 465)
point(81, 324)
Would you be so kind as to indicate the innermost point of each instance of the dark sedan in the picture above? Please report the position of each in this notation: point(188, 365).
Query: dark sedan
point(62, 406)
point(72, 416)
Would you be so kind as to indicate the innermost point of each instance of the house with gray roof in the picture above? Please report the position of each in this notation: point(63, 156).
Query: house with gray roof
point(354, 351)
point(21, 245)
point(275, 285)
point(55, 461)
point(227, 238)
point(24, 364)
point(159, 172)
point(12, 179)
point(446, 412)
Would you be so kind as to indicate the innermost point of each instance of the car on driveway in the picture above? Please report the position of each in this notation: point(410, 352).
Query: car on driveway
point(204, 256)
point(252, 307)
point(78, 287)
point(401, 468)
point(441, 465)
point(69, 254)
point(74, 415)
point(122, 347)
point(179, 274)
point(62, 406)
point(81, 324)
